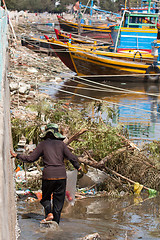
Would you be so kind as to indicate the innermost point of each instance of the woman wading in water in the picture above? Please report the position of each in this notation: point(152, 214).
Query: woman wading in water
point(53, 151)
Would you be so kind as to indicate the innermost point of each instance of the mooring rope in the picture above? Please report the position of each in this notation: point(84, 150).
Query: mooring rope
point(100, 100)
point(117, 88)
point(90, 81)
point(90, 89)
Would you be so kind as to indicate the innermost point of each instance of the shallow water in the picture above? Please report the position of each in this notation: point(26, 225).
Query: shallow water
point(138, 110)
point(128, 218)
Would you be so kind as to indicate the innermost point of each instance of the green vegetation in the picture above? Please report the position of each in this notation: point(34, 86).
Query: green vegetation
point(98, 141)
point(100, 138)
point(50, 5)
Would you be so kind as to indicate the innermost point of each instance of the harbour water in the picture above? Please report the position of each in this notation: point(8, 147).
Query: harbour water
point(136, 104)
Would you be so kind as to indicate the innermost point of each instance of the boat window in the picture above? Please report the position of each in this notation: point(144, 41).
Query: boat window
point(140, 21)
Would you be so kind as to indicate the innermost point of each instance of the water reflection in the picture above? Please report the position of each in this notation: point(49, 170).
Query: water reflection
point(138, 112)
point(112, 218)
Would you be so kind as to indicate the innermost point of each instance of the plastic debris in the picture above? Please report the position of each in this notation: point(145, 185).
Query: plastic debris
point(152, 192)
point(19, 168)
point(85, 191)
point(71, 186)
point(68, 195)
point(39, 195)
point(20, 176)
point(94, 236)
point(138, 200)
point(137, 188)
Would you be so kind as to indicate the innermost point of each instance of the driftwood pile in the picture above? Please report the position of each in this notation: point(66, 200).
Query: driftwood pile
point(126, 166)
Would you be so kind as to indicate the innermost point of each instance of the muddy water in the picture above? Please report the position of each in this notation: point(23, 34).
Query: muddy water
point(128, 218)
point(138, 111)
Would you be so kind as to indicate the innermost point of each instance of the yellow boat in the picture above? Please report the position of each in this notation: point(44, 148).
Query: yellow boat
point(108, 63)
point(98, 60)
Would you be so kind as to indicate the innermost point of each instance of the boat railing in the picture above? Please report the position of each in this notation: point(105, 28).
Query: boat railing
point(143, 24)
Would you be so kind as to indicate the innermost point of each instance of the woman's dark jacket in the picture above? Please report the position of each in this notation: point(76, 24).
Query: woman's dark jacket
point(53, 152)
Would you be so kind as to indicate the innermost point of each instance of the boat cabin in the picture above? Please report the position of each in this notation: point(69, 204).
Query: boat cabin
point(139, 20)
point(137, 31)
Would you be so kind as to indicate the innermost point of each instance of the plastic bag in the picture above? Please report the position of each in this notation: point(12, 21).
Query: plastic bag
point(137, 188)
point(71, 186)
point(20, 176)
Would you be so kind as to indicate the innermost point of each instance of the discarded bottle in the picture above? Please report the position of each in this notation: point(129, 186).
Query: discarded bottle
point(19, 168)
point(69, 196)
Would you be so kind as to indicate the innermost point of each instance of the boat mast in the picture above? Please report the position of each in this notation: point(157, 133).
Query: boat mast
point(149, 6)
point(91, 12)
point(115, 48)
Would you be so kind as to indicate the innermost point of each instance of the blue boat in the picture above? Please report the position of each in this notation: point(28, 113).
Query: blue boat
point(136, 32)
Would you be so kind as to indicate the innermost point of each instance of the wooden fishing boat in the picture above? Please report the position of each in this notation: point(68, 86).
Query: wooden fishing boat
point(99, 32)
point(79, 39)
point(61, 49)
point(88, 24)
point(37, 44)
point(96, 60)
point(87, 63)
point(147, 6)
point(137, 31)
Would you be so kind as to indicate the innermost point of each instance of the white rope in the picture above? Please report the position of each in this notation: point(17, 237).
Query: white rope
point(99, 100)
point(90, 85)
point(91, 89)
point(117, 88)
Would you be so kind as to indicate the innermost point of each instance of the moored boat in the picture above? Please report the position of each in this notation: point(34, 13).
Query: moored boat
point(93, 60)
point(90, 64)
point(78, 39)
point(137, 31)
point(37, 44)
point(98, 31)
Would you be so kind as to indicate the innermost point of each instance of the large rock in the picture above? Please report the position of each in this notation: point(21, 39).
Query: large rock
point(49, 224)
point(94, 236)
point(13, 86)
point(24, 88)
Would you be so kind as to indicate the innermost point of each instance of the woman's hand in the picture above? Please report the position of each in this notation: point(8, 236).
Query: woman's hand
point(79, 169)
point(13, 154)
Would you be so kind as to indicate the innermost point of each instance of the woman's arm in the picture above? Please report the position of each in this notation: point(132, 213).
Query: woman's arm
point(32, 157)
point(72, 158)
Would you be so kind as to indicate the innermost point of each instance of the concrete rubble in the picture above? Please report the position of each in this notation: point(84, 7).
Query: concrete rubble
point(27, 71)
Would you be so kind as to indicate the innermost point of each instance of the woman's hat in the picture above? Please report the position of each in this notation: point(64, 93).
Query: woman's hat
point(53, 128)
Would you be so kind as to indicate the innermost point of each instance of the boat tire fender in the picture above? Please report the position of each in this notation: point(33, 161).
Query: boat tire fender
point(136, 54)
point(152, 70)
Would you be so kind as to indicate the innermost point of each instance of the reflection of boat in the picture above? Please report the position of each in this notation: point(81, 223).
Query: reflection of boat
point(140, 117)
